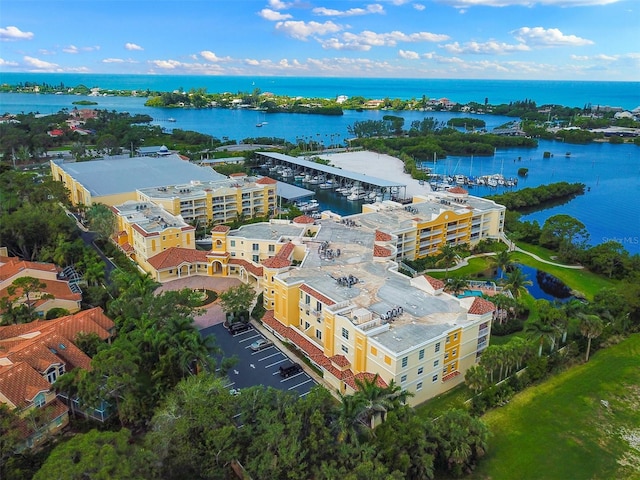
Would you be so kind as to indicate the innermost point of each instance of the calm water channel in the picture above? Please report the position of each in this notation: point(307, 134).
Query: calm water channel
point(609, 209)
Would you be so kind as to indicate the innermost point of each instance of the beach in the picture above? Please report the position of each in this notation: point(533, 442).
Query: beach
point(377, 165)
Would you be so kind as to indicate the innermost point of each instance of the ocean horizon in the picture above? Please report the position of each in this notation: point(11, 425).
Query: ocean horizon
point(570, 93)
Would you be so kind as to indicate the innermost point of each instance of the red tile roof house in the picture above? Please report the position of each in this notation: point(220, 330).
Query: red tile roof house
point(60, 293)
point(33, 356)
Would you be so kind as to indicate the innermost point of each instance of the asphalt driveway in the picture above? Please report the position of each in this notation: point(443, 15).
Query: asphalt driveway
point(257, 368)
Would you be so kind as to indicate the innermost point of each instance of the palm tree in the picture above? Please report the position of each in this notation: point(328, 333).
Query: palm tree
point(349, 421)
point(456, 284)
point(476, 378)
point(379, 400)
point(517, 282)
point(591, 326)
point(490, 359)
point(502, 261)
point(448, 255)
point(540, 331)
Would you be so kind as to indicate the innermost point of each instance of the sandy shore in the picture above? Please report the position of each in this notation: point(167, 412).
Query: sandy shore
point(377, 165)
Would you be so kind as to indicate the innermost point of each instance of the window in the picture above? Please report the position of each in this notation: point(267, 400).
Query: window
point(374, 351)
point(344, 349)
point(403, 378)
point(437, 347)
point(420, 370)
point(434, 378)
point(256, 258)
point(306, 325)
point(345, 333)
point(272, 248)
point(421, 354)
point(318, 306)
point(319, 334)
point(419, 386)
point(233, 243)
point(455, 336)
point(52, 374)
point(453, 354)
point(307, 299)
point(39, 401)
point(405, 361)
point(446, 355)
point(256, 246)
point(436, 363)
point(448, 338)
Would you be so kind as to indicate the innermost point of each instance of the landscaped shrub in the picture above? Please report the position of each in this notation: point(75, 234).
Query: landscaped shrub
point(512, 326)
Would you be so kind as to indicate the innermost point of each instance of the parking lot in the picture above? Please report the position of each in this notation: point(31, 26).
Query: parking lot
point(260, 367)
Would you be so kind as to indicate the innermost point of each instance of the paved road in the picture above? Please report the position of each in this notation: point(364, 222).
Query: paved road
point(257, 368)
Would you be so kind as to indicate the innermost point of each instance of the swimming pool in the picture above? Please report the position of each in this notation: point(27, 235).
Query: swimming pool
point(470, 293)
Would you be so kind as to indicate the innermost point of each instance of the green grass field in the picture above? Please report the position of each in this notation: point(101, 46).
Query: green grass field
point(560, 429)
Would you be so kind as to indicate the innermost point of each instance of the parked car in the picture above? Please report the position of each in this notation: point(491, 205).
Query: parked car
point(239, 327)
point(260, 344)
point(290, 369)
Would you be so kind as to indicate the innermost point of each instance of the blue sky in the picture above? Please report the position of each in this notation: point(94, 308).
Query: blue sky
point(484, 39)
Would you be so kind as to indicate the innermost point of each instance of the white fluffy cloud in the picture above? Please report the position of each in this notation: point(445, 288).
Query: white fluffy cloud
point(303, 30)
point(330, 12)
point(273, 15)
point(551, 37)
point(132, 46)
point(212, 57)
point(366, 40)
point(408, 54)
point(485, 48)
point(5, 63)
point(12, 33)
point(419, 6)
point(41, 64)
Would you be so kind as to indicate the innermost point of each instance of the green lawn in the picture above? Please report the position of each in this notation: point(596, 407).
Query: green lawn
point(436, 406)
point(560, 430)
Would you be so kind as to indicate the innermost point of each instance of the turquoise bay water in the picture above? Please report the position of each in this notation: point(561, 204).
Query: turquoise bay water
point(609, 209)
point(568, 93)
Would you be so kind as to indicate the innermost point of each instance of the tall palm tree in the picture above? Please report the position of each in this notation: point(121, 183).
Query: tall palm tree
point(517, 282)
point(379, 400)
point(591, 326)
point(448, 255)
point(456, 284)
point(349, 421)
point(490, 359)
point(540, 331)
point(476, 378)
point(502, 261)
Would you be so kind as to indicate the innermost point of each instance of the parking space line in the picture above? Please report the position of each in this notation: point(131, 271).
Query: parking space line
point(229, 385)
point(300, 384)
point(249, 338)
point(305, 393)
point(276, 363)
point(291, 376)
point(261, 350)
point(268, 356)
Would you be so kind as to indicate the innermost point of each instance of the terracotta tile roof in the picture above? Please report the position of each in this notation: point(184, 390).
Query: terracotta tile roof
point(14, 265)
point(174, 256)
point(435, 283)
point(266, 181)
point(379, 251)
point(127, 247)
point(20, 383)
point(317, 295)
point(382, 236)
point(221, 228)
point(276, 262)
point(237, 175)
point(480, 306)
point(316, 354)
point(303, 219)
point(282, 258)
point(457, 190)
point(369, 377)
point(340, 360)
point(58, 288)
point(249, 267)
point(451, 375)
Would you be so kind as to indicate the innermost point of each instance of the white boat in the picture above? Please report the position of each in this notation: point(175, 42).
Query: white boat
point(492, 182)
point(287, 173)
point(298, 177)
point(357, 196)
point(460, 179)
point(329, 184)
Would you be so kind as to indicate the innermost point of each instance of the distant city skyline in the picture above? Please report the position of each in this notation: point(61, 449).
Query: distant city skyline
point(484, 39)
